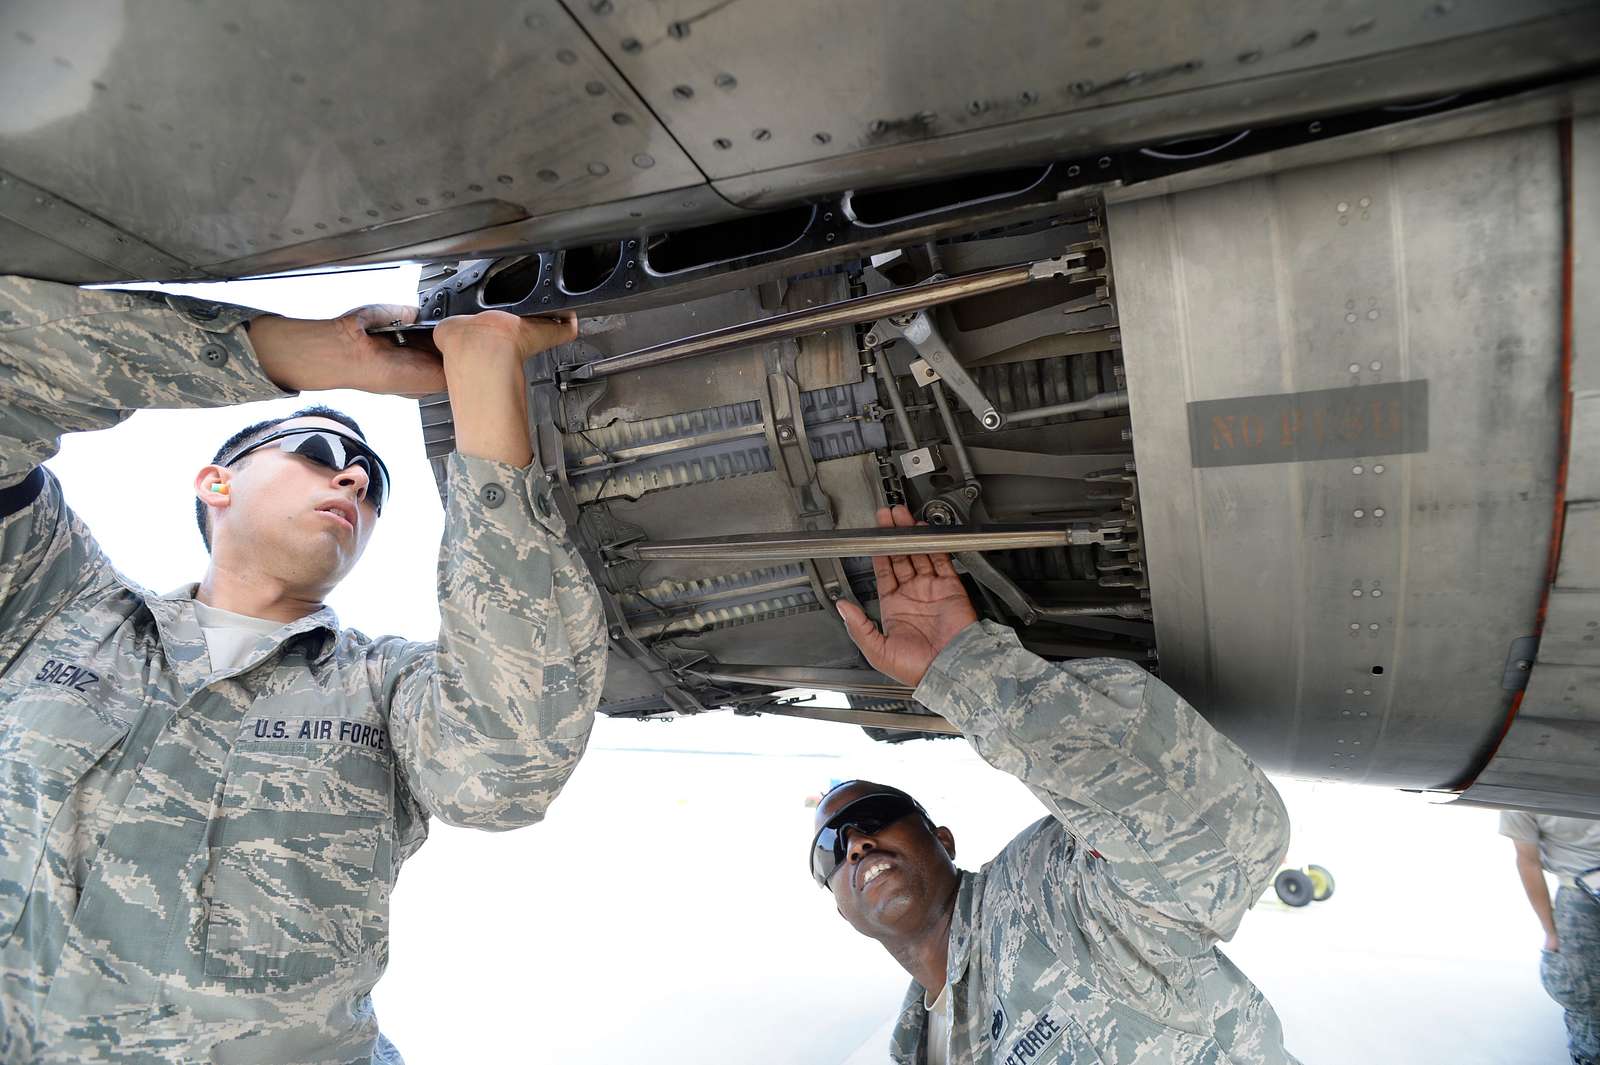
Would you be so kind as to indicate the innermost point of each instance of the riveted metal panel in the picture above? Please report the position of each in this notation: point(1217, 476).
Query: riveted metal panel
point(1583, 479)
point(1586, 273)
point(1580, 548)
point(1542, 49)
point(227, 135)
point(1348, 618)
point(1572, 627)
point(1547, 759)
point(857, 76)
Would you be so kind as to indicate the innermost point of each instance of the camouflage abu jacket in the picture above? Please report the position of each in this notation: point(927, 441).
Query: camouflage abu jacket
point(196, 866)
point(1091, 937)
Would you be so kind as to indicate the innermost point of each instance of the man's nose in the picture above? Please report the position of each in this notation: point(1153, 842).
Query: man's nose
point(353, 477)
point(860, 845)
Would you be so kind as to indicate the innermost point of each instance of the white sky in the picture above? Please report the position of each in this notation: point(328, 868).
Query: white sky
point(134, 484)
point(662, 913)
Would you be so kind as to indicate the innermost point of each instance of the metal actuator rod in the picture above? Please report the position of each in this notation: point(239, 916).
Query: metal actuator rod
point(854, 543)
point(853, 681)
point(918, 330)
point(868, 718)
point(867, 308)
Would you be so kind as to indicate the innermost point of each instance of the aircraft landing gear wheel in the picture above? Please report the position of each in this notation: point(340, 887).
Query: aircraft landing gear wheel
point(1321, 882)
point(1293, 887)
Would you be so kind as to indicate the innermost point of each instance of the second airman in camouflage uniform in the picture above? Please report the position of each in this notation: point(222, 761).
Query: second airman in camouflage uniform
point(195, 862)
point(1091, 936)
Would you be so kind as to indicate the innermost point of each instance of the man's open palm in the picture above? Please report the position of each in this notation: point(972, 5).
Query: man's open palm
point(922, 604)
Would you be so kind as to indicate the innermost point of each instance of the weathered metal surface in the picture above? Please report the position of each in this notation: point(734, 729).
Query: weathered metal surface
point(1348, 618)
point(904, 73)
point(281, 137)
point(244, 139)
point(1447, 63)
point(1549, 758)
point(1324, 423)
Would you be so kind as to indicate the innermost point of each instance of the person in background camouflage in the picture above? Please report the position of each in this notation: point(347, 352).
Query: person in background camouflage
point(1569, 965)
point(195, 863)
point(1091, 936)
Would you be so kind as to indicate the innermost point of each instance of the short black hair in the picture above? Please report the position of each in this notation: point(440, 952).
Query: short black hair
point(230, 445)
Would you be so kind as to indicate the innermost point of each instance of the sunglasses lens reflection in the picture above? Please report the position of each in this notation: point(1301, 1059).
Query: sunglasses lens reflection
point(866, 816)
point(336, 453)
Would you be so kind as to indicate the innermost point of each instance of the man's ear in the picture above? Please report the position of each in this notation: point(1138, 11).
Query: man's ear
point(947, 840)
point(213, 487)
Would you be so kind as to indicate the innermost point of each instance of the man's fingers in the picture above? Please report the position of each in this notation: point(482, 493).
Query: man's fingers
point(896, 569)
point(497, 333)
point(903, 570)
point(542, 334)
point(921, 565)
point(885, 575)
point(376, 314)
point(942, 565)
point(862, 632)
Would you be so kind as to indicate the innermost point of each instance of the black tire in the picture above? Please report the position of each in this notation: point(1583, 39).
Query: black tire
point(1321, 883)
point(1293, 887)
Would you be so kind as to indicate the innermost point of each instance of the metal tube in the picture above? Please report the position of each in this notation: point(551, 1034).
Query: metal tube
point(1105, 401)
point(868, 718)
point(901, 418)
point(1133, 611)
point(963, 460)
point(1028, 609)
point(867, 308)
point(623, 455)
point(855, 543)
point(853, 681)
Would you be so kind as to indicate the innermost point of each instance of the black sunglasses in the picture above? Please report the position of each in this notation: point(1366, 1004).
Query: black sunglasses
point(867, 815)
point(332, 449)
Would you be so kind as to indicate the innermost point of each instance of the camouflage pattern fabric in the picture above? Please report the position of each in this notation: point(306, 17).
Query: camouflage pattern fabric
point(196, 865)
point(1572, 975)
point(1091, 936)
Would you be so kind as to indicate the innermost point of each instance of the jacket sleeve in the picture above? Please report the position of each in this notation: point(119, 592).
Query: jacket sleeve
point(73, 360)
point(489, 722)
point(1176, 831)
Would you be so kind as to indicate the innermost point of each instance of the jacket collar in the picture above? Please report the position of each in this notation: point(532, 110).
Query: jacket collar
point(962, 927)
point(186, 646)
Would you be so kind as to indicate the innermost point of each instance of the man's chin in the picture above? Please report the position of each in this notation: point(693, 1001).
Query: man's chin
point(321, 560)
point(898, 909)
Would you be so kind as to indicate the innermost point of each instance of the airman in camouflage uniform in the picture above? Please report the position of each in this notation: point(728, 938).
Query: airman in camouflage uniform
point(195, 864)
point(1569, 965)
point(1091, 936)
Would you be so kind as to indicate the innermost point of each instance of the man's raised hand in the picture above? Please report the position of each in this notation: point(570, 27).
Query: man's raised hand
point(301, 355)
point(922, 605)
point(483, 355)
point(495, 337)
